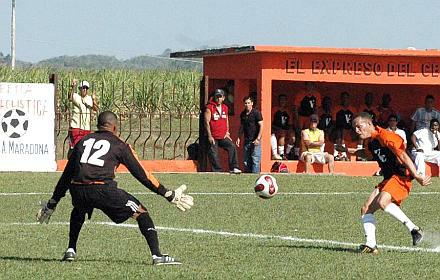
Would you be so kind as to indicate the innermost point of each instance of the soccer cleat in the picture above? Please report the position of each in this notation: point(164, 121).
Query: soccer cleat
point(69, 255)
point(368, 250)
point(416, 235)
point(235, 171)
point(165, 260)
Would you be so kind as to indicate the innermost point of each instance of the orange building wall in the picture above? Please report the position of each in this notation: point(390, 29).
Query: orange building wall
point(408, 76)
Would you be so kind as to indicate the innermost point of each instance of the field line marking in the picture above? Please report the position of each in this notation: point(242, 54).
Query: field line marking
point(245, 235)
point(230, 193)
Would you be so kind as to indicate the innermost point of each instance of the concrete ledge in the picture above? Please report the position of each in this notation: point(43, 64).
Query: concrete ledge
point(154, 166)
point(349, 168)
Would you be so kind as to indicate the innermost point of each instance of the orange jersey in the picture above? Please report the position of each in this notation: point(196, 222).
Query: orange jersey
point(385, 147)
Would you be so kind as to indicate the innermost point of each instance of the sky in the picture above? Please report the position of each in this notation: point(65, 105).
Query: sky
point(125, 29)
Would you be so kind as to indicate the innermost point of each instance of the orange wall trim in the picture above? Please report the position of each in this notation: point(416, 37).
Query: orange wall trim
point(348, 168)
point(154, 166)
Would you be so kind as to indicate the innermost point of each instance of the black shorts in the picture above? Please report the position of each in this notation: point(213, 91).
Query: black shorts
point(116, 203)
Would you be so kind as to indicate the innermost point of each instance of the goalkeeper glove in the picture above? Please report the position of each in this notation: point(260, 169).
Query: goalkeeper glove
point(47, 209)
point(181, 200)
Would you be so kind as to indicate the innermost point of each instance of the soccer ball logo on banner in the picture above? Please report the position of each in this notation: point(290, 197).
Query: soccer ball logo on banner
point(15, 123)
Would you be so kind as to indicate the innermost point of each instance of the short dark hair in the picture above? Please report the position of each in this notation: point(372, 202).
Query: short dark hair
point(429, 96)
point(393, 116)
point(248, 97)
point(434, 120)
point(106, 118)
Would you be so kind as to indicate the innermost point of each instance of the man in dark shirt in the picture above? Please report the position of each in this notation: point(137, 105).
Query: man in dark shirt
point(251, 124)
point(283, 126)
point(398, 171)
point(344, 114)
point(89, 176)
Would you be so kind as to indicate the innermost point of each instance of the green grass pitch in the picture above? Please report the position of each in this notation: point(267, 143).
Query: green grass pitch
point(310, 230)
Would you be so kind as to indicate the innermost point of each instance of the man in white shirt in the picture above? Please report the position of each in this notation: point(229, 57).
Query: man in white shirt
point(426, 146)
point(83, 105)
point(422, 116)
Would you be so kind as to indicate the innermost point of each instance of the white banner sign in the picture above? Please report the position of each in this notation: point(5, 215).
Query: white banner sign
point(27, 119)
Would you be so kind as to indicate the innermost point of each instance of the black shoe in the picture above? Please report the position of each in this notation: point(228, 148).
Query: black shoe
point(165, 260)
point(368, 250)
point(416, 235)
point(361, 155)
point(69, 256)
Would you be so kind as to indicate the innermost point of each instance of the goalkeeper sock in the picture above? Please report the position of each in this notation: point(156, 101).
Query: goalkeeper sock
point(397, 213)
point(147, 229)
point(77, 219)
point(369, 223)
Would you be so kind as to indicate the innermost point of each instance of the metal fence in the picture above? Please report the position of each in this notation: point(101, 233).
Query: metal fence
point(159, 120)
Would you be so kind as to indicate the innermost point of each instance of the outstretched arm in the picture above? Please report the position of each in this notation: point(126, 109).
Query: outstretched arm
point(48, 207)
point(177, 197)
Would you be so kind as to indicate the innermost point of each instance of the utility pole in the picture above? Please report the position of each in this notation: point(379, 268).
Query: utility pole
point(13, 36)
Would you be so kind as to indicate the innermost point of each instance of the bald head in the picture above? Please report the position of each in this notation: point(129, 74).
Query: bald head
point(107, 121)
point(363, 125)
point(365, 116)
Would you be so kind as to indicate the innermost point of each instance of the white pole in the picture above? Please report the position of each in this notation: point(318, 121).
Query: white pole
point(13, 36)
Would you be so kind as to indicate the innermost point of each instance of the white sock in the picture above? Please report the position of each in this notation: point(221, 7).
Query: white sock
point(369, 223)
point(288, 148)
point(335, 152)
point(281, 150)
point(273, 144)
point(397, 213)
point(344, 154)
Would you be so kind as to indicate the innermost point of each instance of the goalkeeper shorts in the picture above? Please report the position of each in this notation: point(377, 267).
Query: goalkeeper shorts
point(116, 203)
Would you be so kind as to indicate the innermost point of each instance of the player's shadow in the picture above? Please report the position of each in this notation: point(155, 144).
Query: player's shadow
point(36, 259)
point(28, 259)
point(319, 247)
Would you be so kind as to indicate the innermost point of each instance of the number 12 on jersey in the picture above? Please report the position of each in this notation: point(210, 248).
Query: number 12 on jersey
point(101, 147)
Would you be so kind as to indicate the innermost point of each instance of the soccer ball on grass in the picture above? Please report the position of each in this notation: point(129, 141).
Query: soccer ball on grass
point(266, 186)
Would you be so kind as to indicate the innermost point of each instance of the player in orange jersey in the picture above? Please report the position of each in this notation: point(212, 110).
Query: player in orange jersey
point(388, 150)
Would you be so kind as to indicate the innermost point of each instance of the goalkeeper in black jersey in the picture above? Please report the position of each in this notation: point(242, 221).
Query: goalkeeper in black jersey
point(89, 176)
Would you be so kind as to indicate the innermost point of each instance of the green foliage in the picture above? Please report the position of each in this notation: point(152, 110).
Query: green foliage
point(309, 208)
point(121, 90)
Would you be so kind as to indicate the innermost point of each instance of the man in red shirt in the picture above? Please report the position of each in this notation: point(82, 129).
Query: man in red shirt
point(388, 150)
point(217, 129)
